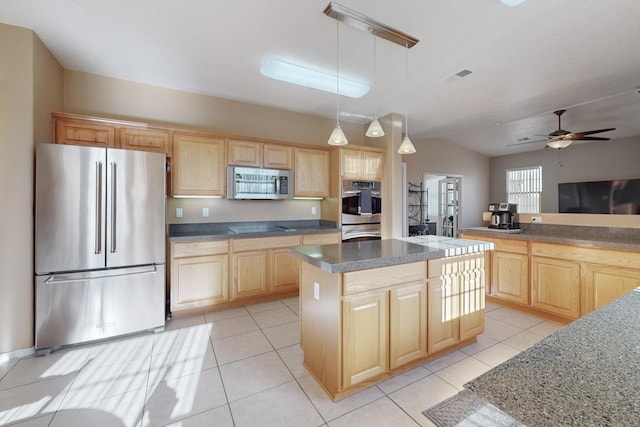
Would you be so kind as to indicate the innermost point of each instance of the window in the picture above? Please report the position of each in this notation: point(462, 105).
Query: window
point(524, 187)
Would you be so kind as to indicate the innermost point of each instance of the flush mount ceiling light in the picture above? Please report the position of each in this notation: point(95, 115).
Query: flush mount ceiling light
point(559, 143)
point(296, 74)
point(512, 2)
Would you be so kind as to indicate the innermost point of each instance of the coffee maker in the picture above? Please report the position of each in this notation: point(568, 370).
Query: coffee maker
point(502, 215)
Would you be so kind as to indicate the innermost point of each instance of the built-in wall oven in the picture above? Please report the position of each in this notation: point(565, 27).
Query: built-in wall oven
point(361, 210)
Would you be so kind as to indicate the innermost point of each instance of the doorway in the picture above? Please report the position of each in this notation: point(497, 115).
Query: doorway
point(443, 205)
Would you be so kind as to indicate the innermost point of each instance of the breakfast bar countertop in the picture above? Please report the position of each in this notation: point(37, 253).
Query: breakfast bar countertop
point(363, 255)
point(591, 237)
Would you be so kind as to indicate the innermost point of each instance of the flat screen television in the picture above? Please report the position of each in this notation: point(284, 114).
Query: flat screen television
point(600, 197)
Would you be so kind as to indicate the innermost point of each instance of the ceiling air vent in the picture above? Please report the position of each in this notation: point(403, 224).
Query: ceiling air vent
point(457, 76)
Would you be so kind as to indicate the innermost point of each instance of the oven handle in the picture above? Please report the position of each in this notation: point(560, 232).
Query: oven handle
point(352, 234)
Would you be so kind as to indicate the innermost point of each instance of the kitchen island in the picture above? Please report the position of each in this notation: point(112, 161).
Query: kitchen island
point(372, 309)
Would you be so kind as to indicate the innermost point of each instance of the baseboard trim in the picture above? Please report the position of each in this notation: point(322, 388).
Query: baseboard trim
point(5, 357)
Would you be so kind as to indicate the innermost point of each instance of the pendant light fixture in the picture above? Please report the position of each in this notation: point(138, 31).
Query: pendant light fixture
point(407, 146)
point(337, 137)
point(375, 130)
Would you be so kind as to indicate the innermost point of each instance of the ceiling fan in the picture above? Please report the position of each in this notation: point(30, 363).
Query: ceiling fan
point(561, 138)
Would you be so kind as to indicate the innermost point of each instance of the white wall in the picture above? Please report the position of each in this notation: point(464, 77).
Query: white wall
point(439, 156)
point(595, 161)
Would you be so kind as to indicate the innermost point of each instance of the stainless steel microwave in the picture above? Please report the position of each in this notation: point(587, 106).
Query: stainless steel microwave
point(259, 184)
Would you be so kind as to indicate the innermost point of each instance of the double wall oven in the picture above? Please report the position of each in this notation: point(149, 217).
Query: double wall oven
point(361, 210)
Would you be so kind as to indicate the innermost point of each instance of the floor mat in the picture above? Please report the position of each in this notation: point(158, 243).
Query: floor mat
point(465, 409)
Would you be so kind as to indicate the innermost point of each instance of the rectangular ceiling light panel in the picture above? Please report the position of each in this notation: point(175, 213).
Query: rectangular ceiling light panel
point(291, 73)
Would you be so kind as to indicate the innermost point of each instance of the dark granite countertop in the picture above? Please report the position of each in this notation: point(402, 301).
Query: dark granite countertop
point(592, 237)
point(585, 374)
point(240, 230)
point(352, 256)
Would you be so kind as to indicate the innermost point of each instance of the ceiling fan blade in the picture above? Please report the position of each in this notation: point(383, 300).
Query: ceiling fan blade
point(592, 138)
point(591, 132)
point(526, 142)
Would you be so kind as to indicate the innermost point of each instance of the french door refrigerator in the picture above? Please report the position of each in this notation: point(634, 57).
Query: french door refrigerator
point(99, 244)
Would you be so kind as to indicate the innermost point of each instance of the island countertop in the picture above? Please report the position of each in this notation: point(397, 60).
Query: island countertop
point(585, 374)
point(363, 255)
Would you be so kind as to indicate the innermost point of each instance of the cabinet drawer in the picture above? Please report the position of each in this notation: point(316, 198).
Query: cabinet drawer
point(209, 247)
point(321, 239)
point(261, 243)
point(508, 245)
point(366, 280)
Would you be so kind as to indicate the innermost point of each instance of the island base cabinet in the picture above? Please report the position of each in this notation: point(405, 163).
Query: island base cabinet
point(556, 286)
point(472, 288)
point(408, 324)
point(364, 337)
point(444, 322)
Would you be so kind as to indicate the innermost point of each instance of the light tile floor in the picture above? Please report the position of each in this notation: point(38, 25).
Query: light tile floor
point(237, 367)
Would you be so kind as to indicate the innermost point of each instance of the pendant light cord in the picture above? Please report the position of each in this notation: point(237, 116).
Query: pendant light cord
point(375, 77)
point(337, 72)
point(406, 78)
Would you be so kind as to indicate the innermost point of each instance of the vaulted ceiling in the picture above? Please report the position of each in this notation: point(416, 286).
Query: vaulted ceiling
point(526, 61)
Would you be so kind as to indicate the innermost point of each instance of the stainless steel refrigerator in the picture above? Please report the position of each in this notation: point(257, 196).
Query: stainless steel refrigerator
point(99, 244)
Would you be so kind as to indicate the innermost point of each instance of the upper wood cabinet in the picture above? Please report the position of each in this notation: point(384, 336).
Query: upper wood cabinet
point(157, 140)
point(83, 132)
point(361, 164)
point(258, 154)
point(311, 173)
point(198, 165)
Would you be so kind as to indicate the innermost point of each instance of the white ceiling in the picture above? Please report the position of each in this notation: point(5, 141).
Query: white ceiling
point(527, 61)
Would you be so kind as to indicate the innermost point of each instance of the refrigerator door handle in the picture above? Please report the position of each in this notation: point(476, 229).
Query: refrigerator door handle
point(98, 233)
point(55, 279)
point(113, 207)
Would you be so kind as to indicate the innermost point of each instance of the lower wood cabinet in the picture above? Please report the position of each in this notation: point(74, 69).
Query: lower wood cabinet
point(283, 273)
point(555, 286)
point(456, 300)
point(365, 337)
point(606, 283)
point(249, 274)
point(407, 324)
point(199, 274)
point(510, 276)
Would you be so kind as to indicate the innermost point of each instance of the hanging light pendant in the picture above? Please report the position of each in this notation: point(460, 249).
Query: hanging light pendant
point(337, 137)
point(407, 146)
point(375, 130)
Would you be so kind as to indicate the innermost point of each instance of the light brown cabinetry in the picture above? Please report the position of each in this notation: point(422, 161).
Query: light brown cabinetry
point(156, 140)
point(456, 300)
point(311, 172)
point(606, 283)
point(199, 274)
point(76, 131)
point(263, 265)
point(198, 165)
point(321, 239)
point(555, 286)
point(258, 154)
point(361, 164)
point(407, 324)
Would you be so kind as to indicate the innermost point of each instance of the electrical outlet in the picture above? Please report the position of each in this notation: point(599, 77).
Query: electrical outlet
point(205, 212)
point(178, 212)
point(536, 219)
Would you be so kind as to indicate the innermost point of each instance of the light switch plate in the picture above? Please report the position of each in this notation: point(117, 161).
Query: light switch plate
point(316, 290)
point(178, 212)
point(205, 212)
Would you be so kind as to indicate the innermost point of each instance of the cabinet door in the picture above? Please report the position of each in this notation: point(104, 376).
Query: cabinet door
point(444, 305)
point(311, 173)
point(364, 337)
point(249, 274)
point(407, 324)
point(284, 270)
point(510, 276)
point(472, 284)
point(372, 164)
point(605, 284)
point(555, 286)
point(77, 132)
point(199, 281)
point(351, 163)
point(277, 156)
point(244, 153)
point(145, 140)
point(198, 166)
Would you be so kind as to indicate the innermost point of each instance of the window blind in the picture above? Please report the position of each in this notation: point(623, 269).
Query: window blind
point(524, 187)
